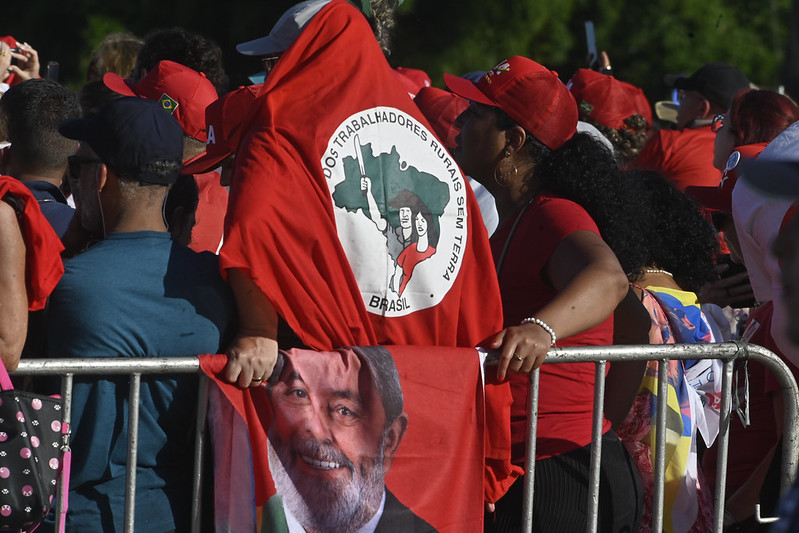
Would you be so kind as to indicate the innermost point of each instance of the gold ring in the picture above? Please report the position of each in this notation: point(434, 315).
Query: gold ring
point(3, 52)
point(518, 357)
point(257, 380)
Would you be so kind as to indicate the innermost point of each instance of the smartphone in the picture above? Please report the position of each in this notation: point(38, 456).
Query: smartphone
point(52, 70)
point(590, 39)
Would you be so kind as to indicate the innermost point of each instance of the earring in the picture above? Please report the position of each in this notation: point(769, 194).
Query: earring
point(503, 174)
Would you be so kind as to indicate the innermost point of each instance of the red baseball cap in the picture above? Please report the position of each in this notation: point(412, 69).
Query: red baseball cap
point(720, 198)
point(604, 99)
point(181, 91)
point(412, 79)
point(441, 108)
point(224, 119)
point(529, 93)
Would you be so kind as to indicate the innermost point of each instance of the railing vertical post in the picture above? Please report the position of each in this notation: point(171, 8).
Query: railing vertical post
point(660, 445)
point(199, 452)
point(529, 467)
point(133, 440)
point(723, 444)
point(596, 447)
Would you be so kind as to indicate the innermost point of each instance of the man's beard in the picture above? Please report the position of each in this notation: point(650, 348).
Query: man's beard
point(324, 505)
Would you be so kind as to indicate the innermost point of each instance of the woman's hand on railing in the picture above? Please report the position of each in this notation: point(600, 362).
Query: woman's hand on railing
point(251, 359)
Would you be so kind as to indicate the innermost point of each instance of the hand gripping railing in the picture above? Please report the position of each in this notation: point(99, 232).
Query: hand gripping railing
point(728, 353)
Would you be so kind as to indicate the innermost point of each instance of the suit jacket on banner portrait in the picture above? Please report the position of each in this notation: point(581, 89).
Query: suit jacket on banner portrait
point(345, 209)
point(421, 408)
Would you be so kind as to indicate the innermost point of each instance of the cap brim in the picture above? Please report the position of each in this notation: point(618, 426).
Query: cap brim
point(773, 177)
point(711, 198)
point(666, 111)
point(262, 47)
point(467, 89)
point(671, 80)
point(118, 84)
point(74, 128)
point(203, 163)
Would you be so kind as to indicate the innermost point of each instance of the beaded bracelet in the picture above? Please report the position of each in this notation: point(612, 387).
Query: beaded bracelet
point(545, 327)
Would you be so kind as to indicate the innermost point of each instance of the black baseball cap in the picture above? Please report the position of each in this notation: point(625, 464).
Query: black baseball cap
point(130, 133)
point(719, 82)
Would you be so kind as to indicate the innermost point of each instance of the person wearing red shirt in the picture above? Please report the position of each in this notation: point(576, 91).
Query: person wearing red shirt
point(685, 155)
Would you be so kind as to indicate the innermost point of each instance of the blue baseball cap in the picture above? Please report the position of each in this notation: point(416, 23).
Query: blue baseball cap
point(128, 134)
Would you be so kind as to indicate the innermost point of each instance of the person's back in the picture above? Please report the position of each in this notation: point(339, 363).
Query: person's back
point(170, 302)
point(135, 293)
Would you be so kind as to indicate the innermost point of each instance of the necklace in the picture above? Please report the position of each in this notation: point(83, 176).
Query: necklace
point(658, 271)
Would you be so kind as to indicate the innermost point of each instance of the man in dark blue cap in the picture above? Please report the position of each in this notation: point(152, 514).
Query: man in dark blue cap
point(135, 293)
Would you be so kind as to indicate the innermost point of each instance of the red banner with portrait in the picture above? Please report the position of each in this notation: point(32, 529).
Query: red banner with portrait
point(321, 414)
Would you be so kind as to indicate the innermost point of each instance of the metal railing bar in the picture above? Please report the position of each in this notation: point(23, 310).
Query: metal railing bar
point(596, 448)
point(723, 441)
point(199, 453)
point(529, 466)
point(133, 452)
point(660, 446)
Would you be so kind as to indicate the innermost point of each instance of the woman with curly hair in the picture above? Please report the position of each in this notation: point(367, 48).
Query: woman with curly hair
point(675, 261)
point(619, 110)
point(558, 195)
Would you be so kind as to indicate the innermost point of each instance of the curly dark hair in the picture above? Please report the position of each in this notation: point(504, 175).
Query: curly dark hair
point(184, 47)
point(584, 171)
point(628, 141)
point(679, 238)
point(383, 21)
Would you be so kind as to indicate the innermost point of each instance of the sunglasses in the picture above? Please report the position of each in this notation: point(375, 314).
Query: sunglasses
point(717, 123)
point(270, 62)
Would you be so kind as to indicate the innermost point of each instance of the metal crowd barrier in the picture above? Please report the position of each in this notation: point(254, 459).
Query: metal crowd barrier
point(728, 353)
point(68, 368)
point(600, 355)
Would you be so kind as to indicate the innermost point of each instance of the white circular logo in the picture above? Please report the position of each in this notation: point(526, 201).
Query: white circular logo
point(400, 206)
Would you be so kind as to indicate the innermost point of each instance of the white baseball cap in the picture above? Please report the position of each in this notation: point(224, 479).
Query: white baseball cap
point(285, 31)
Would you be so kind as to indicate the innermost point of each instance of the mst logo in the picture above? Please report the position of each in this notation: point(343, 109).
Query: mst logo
point(400, 209)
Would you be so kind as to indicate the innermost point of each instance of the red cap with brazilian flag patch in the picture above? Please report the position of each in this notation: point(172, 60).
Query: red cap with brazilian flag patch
point(224, 120)
point(182, 92)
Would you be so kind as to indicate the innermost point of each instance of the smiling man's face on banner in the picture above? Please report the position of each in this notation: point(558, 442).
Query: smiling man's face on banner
point(329, 444)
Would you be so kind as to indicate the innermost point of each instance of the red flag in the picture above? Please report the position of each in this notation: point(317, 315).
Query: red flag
point(43, 266)
point(437, 470)
point(345, 209)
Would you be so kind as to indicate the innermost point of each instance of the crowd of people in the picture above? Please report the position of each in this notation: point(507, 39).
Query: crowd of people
point(341, 202)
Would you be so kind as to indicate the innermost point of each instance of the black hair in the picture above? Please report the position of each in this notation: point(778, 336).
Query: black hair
point(187, 48)
point(161, 173)
point(31, 113)
point(93, 96)
point(679, 238)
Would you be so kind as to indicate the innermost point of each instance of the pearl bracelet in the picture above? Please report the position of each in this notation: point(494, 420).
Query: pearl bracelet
point(543, 325)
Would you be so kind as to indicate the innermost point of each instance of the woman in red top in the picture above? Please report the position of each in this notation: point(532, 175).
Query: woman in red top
point(559, 280)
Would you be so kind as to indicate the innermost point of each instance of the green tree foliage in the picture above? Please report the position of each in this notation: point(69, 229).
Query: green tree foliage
point(644, 39)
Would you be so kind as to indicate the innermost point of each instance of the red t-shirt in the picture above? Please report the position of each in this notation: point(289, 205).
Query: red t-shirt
point(684, 156)
point(566, 390)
